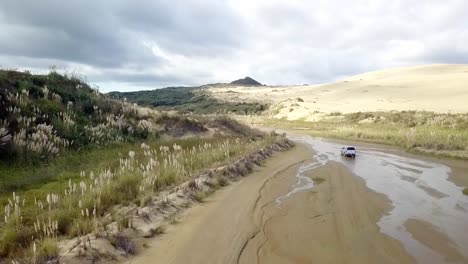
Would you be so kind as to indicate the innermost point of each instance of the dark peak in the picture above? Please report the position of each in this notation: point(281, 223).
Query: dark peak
point(247, 81)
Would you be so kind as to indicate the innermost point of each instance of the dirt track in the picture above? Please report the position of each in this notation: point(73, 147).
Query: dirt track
point(278, 215)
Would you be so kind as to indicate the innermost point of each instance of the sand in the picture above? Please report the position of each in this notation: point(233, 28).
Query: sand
point(335, 222)
point(439, 88)
point(434, 239)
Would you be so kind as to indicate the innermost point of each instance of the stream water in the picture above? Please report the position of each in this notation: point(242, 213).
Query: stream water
point(417, 189)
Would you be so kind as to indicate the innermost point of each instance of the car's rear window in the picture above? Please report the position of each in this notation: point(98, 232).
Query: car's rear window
point(351, 148)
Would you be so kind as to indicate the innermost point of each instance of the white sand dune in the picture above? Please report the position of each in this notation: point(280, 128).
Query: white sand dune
point(439, 88)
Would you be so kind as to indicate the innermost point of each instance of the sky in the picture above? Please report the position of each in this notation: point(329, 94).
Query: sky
point(141, 45)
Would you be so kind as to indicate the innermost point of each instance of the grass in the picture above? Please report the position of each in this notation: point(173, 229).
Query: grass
point(56, 173)
point(222, 181)
point(421, 132)
point(123, 223)
point(47, 250)
point(189, 100)
point(81, 226)
point(465, 191)
point(200, 196)
point(44, 116)
point(318, 180)
point(117, 178)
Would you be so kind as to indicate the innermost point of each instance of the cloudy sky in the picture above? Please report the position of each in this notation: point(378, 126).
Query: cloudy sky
point(134, 45)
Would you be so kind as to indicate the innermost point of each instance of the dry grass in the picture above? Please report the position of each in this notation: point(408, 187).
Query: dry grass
point(75, 205)
point(422, 132)
point(47, 251)
point(200, 196)
point(222, 181)
point(158, 230)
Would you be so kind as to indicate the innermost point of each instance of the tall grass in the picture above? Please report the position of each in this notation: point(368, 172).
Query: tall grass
point(73, 206)
point(424, 132)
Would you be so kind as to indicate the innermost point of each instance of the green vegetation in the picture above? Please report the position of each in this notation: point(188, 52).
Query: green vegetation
point(465, 191)
point(189, 100)
point(69, 155)
point(46, 251)
point(422, 132)
point(318, 180)
point(44, 116)
point(72, 207)
point(200, 196)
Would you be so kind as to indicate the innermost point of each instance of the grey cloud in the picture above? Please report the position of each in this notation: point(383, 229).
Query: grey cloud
point(440, 55)
point(152, 43)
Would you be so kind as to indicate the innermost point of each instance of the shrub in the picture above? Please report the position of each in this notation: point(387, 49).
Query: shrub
point(47, 250)
point(222, 181)
point(199, 196)
point(13, 238)
point(69, 223)
point(81, 226)
point(50, 107)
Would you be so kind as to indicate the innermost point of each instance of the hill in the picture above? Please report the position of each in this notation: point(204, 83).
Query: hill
point(247, 81)
point(190, 100)
point(422, 109)
point(436, 88)
point(42, 116)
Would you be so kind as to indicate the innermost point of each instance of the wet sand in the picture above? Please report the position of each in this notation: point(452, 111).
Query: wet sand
point(435, 240)
point(216, 231)
point(333, 222)
point(310, 205)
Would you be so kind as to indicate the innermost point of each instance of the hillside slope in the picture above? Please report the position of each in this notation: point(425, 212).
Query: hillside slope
point(437, 88)
point(42, 116)
point(190, 100)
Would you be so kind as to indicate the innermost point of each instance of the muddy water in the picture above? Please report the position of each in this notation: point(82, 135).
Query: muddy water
point(418, 190)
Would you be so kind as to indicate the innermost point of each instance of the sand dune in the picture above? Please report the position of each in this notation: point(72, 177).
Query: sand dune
point(439, 88)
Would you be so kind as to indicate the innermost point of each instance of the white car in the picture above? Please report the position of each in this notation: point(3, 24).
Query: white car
point(348, 152)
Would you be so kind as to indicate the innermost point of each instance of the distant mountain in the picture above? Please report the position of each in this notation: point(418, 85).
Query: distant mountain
point(247, 81)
